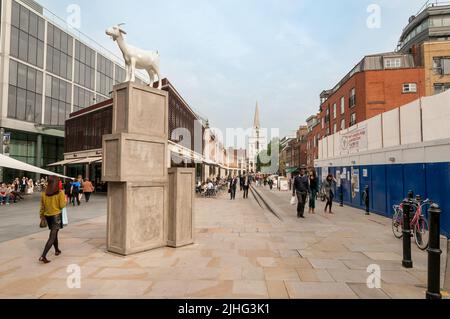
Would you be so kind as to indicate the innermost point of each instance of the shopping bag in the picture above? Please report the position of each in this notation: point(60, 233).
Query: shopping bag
point(294, 200)
point(64, 216)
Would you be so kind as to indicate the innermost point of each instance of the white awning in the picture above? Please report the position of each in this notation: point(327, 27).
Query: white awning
point(62, 163)
point(9, 162)
point(88, 160)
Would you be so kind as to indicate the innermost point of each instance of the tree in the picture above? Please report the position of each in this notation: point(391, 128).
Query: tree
point(264, 161)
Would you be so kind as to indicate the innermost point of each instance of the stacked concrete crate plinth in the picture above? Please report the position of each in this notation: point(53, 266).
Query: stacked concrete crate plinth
point(135, 167)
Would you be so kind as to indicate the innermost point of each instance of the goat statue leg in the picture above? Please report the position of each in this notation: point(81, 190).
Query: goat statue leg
point(127, 72)
point(151, 77)
point(133, 71)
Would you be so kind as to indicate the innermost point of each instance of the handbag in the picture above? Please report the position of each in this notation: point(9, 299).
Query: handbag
point(293, 200)
point(65, 219)
point(43, 223)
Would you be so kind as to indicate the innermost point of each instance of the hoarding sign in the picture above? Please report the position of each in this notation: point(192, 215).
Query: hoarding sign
point(354, 141)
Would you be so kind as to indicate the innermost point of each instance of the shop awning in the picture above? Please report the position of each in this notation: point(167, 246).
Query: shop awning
point(291, 170)
point(8, 162)
point(88, 160)
point(62, 163)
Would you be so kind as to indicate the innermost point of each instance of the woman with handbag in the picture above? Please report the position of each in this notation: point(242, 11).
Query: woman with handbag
point(52, 202)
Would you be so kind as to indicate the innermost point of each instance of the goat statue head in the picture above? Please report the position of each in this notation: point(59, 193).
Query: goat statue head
point(116, 31)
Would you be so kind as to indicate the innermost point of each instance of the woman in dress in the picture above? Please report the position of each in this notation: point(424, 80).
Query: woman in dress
point(52, 202)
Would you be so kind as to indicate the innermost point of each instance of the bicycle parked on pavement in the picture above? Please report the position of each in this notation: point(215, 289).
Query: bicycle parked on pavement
point(419, 223)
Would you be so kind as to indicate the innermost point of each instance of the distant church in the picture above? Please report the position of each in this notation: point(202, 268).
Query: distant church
point(257, 142)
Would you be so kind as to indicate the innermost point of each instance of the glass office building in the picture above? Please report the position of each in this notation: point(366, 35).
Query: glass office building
point(47, 74)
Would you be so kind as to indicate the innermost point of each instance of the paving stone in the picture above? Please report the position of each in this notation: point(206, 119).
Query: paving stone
point(304, 290)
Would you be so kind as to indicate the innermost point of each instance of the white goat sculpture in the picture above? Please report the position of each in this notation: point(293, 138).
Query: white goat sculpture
point(136, 58)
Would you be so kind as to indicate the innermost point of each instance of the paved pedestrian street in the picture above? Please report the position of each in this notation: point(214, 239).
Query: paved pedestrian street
point(241, 251)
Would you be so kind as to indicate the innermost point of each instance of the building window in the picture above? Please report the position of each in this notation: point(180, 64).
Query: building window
point(58, 94)
point(441, 65)
point(59, 52)
point(353, 119)
point(334, 128)
point(342, 105)
point(441, 87)
point(25, 93)
point(105, 73)
point(84, 65)
point(392, 63)
point(27, 35)
point(342, 124)
point(334, 111)
point(352, 99)
point(82, 98)
point(410, 88)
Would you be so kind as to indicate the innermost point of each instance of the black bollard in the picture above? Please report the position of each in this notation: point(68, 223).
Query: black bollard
point(434, 254)
point(342, 195)
point(407, 260)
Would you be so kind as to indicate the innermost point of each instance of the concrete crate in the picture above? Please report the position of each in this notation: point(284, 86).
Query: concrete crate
point(181, 207)
point(134, 158)
point(137, 217)
point(140, 109)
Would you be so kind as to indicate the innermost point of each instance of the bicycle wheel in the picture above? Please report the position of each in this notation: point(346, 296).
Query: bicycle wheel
point(421, 234)
point(397, 221)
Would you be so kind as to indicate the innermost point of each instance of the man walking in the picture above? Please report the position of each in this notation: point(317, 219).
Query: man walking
point(246, 183)
point(301, 189)
point(233, 187)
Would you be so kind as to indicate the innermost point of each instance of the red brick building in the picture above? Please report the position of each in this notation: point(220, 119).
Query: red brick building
point(379, 83)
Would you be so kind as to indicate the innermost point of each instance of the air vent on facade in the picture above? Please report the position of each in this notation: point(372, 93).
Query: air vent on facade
point(34, 5)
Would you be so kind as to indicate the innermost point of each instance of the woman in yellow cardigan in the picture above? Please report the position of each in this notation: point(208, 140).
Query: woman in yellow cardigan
point(53, 201)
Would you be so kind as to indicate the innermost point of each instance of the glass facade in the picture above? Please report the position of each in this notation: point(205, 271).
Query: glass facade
point(51, 74)
point(105, 74)
point(25, 93)
point(59, 52)
point(69, 65)
point(58, 94)
point(82, 98)
point(27, 35)
point(84, 65)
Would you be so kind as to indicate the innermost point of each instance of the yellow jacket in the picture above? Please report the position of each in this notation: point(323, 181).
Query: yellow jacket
point(52, 205)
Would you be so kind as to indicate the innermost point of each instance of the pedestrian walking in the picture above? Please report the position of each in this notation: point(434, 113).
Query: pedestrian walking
point(88, 189)
point(366, 199)
point(271, 183)
point(75, 192)
point(314, 187)
point(328, 184)
point(68, 191)
point(52, 202)
point(233, 187)
point(246, 183)
point(301, 190)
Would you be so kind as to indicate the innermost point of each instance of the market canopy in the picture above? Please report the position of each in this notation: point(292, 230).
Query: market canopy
point(8, 162)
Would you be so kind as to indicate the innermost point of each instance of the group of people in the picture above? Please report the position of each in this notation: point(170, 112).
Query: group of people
point(210, 188)
point(75, 189)
point(307, 186)
point(244, 181)
point(14, 191)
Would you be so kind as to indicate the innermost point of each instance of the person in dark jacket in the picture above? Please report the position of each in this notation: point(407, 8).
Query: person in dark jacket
point(301, 189)
point(233, 187)
point(314, 187)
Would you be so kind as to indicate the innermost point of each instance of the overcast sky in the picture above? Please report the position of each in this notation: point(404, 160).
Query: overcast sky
point(224, 55)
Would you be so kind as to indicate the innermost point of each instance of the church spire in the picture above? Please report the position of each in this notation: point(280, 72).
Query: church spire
point(256, 123)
